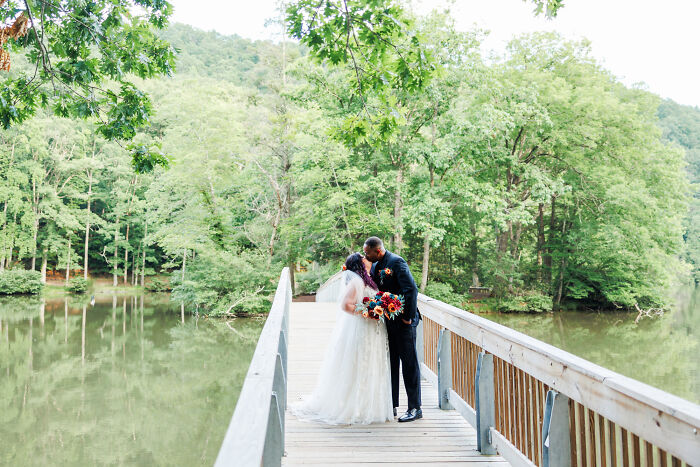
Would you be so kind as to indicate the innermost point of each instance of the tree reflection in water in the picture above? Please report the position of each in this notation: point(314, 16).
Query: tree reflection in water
point(67, 397)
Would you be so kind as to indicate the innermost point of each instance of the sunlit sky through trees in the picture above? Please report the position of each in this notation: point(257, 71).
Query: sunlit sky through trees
point(649, 41)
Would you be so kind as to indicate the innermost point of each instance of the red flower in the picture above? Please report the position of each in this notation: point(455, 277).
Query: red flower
point(365, 300)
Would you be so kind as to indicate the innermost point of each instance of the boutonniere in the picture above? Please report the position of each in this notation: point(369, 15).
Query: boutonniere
point(383, 273)
point(344, 268)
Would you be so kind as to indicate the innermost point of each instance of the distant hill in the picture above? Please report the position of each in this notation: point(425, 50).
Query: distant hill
point(227, 58)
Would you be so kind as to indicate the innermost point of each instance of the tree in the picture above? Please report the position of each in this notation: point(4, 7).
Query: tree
point(81, 57)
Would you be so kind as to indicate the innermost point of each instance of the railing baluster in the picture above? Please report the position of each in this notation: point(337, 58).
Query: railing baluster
point(444, 369)
point(485, 403)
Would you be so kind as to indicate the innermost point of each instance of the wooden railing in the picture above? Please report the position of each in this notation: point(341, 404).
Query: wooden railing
point(537, 405)
point(255, 435)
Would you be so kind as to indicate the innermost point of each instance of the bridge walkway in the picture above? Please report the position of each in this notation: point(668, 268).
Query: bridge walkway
point(442, 436)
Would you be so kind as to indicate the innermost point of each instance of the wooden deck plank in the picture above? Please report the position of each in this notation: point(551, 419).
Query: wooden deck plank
point(440, 437)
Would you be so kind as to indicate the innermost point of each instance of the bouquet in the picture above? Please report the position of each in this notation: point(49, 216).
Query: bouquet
point(382, 306)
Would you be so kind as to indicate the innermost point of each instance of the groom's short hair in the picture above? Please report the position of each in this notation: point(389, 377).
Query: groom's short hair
point(374, 242)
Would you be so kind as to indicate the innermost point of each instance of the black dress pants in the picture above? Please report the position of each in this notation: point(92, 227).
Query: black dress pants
point(402, 350)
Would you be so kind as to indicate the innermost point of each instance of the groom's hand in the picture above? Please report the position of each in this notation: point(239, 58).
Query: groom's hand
point(406, 321)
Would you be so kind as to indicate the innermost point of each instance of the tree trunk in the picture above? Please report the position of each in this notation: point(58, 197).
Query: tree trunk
point(398, 240)
point(562, 267)
point(36, 232)
point(291, 276)
point(68, 262)
point(134, 269)
point(87, 227)
point(126, 256)
point(116, 248)
point(35, 208)
point(502, 242)
point(547, 259)
point(474, 250)
point(8, 261)
point(143, 262)
point(273, 236)
point(44, 259)
point(515, 245)
point(540, 239)
point(426, 263)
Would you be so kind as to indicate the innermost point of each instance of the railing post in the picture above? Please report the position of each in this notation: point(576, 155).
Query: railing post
point(282, 362)
point(556, 444)
point(274, 439)
point(444, 368)
point(420, 349)
point(485, 403)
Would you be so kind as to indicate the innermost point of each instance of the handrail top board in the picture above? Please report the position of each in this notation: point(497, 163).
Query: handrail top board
point(248, 427)
point(650, 395)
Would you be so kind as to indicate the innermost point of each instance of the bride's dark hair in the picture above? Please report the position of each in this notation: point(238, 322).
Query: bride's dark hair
point(354, 263)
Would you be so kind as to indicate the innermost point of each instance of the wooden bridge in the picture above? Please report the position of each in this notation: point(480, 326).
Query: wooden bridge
point(491, 397)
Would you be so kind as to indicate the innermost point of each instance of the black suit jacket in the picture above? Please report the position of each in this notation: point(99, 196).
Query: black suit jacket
point(399, 281)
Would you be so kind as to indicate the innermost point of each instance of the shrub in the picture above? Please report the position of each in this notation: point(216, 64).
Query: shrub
point(538, 303)
point(77, 285)
point(158, 285)
point(533, 303)
point(309, 281)
point(444, 293)
point(19, 281)
point(512, 305)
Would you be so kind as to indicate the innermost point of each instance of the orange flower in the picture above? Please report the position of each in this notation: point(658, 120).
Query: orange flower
point(392, 308)
point(365, 314)
point(378, 310)
point(386, 294)
point(387, 271)
point(345, 268)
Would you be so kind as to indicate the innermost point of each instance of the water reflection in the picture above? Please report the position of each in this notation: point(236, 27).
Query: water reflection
point(121, 382)
point(662, 352)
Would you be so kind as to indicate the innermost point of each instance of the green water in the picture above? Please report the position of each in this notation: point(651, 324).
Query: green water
point(122, 382)
point(662, 352)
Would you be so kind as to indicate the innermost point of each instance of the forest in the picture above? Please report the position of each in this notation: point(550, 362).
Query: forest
point(536, 173)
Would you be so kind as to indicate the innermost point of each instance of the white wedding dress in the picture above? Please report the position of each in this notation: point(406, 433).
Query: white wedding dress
point(354, 384)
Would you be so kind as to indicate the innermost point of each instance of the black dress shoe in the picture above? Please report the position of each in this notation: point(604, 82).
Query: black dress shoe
point(394, 411)
point(410, 415)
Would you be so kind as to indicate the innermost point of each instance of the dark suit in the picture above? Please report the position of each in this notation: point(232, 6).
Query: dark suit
point(402, 337)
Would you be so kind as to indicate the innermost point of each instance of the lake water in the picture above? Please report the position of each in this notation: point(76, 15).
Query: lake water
point(122, 382)
point(663, 352)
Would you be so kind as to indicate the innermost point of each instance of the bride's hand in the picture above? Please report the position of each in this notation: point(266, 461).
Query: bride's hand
point(349, 307)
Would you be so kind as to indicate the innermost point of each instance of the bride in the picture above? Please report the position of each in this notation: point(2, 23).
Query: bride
point(354, 384)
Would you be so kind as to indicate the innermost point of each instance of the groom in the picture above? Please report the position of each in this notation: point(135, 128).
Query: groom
point(391, 274)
